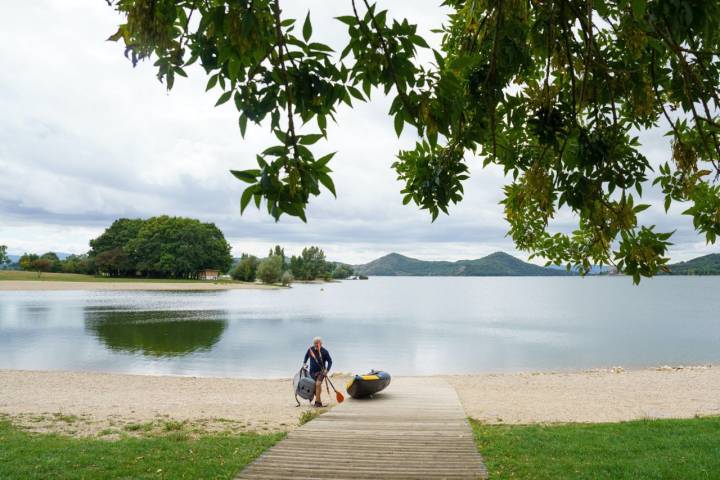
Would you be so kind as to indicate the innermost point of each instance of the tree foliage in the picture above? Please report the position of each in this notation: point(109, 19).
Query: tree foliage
point(554, 92)
point(342, 271)
point(270, 269)
point(4, 259)
point(166, 247)
point(37, 263)
point(287, 278)
point(78, 264)
point(26, 261)
point(246, 269)
point(310, 264)
point(109, 250)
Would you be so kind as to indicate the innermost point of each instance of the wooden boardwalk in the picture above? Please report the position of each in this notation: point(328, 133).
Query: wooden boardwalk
point(415, 429)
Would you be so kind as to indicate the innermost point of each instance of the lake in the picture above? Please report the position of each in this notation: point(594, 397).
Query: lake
point(408, 326)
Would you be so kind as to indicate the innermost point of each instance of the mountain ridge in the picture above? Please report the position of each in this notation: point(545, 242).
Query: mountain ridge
point(497, 264)
point(705, 265)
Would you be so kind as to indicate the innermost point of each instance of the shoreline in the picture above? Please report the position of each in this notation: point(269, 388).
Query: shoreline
point(58, 285)
point(93, 404)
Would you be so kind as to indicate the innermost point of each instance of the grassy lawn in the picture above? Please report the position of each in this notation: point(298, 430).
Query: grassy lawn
point(76, 277)
point(644, 449)
point(175, 455)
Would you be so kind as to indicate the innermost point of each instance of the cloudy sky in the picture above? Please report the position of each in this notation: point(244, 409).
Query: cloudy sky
point(85, 139)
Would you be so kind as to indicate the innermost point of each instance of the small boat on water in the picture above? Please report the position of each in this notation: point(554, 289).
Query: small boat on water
point(362, 386)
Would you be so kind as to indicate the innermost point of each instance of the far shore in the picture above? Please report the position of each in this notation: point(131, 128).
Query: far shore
point(40, 285)
point(103, 404)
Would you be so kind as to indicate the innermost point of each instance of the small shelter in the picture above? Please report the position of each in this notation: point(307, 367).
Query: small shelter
point(209, 274)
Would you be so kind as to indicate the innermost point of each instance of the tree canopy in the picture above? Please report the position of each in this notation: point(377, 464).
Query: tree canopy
point(162, 246)
point(4, 258)
point(555, 92)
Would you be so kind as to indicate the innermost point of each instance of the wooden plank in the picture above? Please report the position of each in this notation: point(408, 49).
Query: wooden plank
point(414, 429)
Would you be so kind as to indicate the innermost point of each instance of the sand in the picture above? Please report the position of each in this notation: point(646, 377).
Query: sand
point(99, 404)
point(86, 403)
point(593, 396)
point(39, 285)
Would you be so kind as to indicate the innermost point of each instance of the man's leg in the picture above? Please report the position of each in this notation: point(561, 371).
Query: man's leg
point(318, 390)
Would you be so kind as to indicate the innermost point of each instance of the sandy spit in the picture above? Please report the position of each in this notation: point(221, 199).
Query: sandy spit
point(85, 403)
point(40, 285)
point(592, 396)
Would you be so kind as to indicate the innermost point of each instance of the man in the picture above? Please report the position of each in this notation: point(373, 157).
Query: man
point(320, 364)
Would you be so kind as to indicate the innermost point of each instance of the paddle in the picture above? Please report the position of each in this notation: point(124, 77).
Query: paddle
point(338, 396)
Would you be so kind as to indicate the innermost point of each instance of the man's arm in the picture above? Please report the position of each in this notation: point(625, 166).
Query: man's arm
point(307, 355)
point(328, 359)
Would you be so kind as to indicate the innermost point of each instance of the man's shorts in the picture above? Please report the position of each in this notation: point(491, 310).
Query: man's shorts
point(318, 376)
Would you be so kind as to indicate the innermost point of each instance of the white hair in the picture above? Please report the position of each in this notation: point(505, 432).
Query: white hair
point(317, 339)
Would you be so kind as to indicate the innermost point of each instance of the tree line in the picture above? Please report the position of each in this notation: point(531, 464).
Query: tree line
point(176, 247)
point(311, 264)
point(157, 247)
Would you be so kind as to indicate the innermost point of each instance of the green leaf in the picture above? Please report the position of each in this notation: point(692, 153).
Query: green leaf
point(307, 27)
point(347, 19)
point(224, 98)
point(327, 182)
point(322, 122)
point(355, 93)
point(247, 195)
point(419, 41)
point(322, 161)
point(320, 47)
point(247, 176)
point(399, 124)
point(310, 139)
point(242, 121)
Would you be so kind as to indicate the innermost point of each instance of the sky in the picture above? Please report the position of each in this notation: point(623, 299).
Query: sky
point(85, 139)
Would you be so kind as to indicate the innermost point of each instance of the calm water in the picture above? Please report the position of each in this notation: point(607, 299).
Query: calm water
point(403, 325)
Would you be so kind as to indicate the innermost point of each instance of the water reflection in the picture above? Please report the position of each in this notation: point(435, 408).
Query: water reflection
point(409, 326)
point(156, 333)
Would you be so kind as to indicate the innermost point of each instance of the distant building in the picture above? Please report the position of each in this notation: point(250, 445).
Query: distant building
point(209, 274)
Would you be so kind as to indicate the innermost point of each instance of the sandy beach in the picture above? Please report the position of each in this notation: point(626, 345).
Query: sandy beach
point(44, 401)
point(83, 403)
point(591, 396)
point(41, 285)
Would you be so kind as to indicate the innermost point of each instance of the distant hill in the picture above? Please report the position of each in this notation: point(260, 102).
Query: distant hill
point(705, 265)
point(61, 256)
point(498, 264)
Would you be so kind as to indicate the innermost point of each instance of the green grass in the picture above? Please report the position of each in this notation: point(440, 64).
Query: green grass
point(309, 415)
point(644, 449)
point(176, 455)
point(76, 277)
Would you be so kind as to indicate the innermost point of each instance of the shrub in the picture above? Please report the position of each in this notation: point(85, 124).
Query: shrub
point(270, 269)
point(246, 269)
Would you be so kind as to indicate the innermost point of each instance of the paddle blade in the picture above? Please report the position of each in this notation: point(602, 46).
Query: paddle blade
point(339, 397)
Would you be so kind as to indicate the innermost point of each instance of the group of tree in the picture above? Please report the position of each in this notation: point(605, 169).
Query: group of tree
point(5, 261)
point(50, 262)
point(160, 247)
point(277, 268)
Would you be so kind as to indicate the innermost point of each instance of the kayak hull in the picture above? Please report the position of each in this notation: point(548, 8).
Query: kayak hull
point(363, 386)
